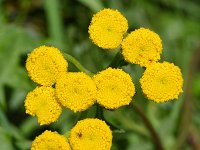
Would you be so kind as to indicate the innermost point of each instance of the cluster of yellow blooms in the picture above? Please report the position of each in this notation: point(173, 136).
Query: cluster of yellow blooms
point(111, 88)
point(76, 91)
point(160, 81)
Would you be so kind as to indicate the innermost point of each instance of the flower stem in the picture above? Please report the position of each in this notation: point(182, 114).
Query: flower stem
point(99, 112)
point(118, 61)
point(154, 134)
point(76, 63)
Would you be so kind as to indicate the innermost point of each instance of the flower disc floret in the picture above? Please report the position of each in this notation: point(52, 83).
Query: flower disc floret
point(107, 28)
point(44, 65)
point(91, 134)
point(142, 47)
point(114, 88)
point(42, 102)
point(76, 91)
point(162, 82)
point(50, 141)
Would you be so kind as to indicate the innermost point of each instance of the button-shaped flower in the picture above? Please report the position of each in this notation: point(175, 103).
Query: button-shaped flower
point(114, 88)
point(162, 82)
point(50, 141)
point(107, 28)
point(42, 102)
point(76, 91)
point(44, 65)
point(91, 134)
point(142, 47)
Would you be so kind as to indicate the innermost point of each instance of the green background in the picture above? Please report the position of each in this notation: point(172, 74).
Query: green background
point(27, 24)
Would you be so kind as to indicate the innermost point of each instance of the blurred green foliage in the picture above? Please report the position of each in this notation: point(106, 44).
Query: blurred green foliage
point(26, 24)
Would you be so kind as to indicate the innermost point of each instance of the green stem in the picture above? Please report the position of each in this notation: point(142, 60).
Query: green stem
point(154, 134)
point(99, 112)
point(118, 61)
point(76, 63)
point(186, 113)
point(66, 134)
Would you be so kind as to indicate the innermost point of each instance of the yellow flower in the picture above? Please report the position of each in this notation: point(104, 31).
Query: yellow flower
point(50, 141)
point(142, 47)
point(114, 88)
point(76, 91)
point(91, 134)
point(107, 28)
point(42, 103)
point(45, 64)
point(162, 82)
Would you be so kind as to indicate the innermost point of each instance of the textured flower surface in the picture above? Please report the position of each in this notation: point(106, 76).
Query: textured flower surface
point(162, 82)
point(76, 91)
point(107, 28)
point(50, 141)
point(45, 64)
point(42, 103)
point(142, 47)
point(91, 134)
point(114, 88)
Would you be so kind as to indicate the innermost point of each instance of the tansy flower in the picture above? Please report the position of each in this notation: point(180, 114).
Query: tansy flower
point(50, 141)
point(114, 88)
point(107, 28)
point(42, 103)
point(91, 134)
point(76, 91)
point(142, 47)
point(45, 64)
point(162, 82)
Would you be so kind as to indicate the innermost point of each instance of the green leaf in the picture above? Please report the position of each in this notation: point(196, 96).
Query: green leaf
point(9, 128)
point(12, 46)
point(24, 145)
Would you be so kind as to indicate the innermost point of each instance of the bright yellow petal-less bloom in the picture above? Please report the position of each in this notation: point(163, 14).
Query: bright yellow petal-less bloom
point(91, 134)
point(76, 91)
point(50, 141)
point(41, 102)
point(114, 88)
point(107, 28)
point(142, 47)
point(162, 82)
point(44, 65)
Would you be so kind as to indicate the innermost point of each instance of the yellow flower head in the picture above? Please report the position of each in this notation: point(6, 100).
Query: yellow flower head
point(91, 134)
point(42, 103)
point(76, 91)
point(162, 82)
point(107, 28)
point(50, 141)
point(45, 64)
point(114, 88)
point(142, 47)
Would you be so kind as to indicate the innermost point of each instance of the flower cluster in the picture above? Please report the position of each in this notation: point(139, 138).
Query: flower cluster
point(77, 91)
point(160, 81)
point(110, 88)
